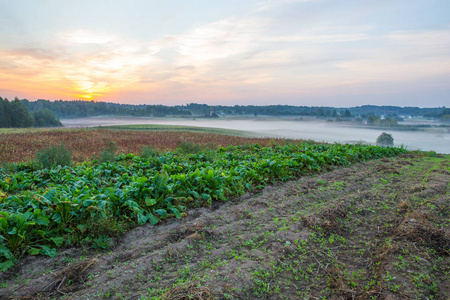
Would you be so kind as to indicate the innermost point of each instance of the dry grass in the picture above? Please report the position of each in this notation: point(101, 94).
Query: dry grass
point(88, 143)
point(191, 292)
point(68, 280)
point(416, 228)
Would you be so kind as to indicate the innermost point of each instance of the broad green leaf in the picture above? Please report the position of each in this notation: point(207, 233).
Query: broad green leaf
point(41, 220)
point(206, 196)
point(176, 212)
point(141, 179)
point(141, 218)
point(150, 201)
point(13, 231)
point(48, 251)
point(58, 241)
point(153, 220)
point(41, 233)
point(161, 212)
point(34, 251)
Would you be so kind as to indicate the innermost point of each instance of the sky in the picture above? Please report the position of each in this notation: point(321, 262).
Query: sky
point(247, 52)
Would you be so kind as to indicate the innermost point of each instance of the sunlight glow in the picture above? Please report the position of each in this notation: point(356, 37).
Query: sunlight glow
point(274, 51)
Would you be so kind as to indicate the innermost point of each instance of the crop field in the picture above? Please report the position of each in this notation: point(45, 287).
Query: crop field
point(254, 221)
point(178, 128)
point(85, 144)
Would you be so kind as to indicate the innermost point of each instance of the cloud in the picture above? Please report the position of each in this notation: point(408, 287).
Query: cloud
point(320, 38)
point(268, 4)
point(424, 43)
point(113, 64)
point(219, 40)
point(232, 58)
point(87, 37)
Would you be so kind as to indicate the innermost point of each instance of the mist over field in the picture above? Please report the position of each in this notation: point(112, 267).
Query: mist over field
point(431, 139)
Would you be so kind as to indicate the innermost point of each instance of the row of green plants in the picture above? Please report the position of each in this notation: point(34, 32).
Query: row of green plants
point(94, 202)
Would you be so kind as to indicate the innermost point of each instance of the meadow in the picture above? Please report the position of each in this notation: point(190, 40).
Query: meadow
point(85, 144)
point(205, 216)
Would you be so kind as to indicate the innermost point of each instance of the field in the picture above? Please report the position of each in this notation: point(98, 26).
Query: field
point(20, 145)
point(291, 220)
point(178, 128)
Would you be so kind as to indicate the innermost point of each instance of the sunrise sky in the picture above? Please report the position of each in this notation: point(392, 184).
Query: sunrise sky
point(298, 52)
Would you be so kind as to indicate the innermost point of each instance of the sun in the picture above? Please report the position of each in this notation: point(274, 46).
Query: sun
point(87, 97)
point(90, 90)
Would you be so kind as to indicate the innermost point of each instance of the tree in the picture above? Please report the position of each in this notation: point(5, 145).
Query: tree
point(385, 139)
point(45, 118)
point(20, 116)
point(14, 114)
point(4, 116)
point(346, 114)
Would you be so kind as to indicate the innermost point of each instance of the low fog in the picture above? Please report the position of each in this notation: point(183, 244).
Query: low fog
point(435, 139)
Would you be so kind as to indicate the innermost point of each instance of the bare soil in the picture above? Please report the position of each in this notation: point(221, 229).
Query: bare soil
point(376, 230)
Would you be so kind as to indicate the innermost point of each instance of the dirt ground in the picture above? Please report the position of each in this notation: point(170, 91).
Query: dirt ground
point(376, 230)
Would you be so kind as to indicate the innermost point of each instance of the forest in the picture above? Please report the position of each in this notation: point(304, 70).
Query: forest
point(78, 109)
point(14, 114)
point(45, 113)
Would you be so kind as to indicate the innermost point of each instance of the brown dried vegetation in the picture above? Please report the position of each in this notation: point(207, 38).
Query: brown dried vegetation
point(86, 144)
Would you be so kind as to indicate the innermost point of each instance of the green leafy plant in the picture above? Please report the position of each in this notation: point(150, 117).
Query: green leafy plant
point(54, 156)
point(41, 210)
point(102, 243)
point(148, 152)
point(189, 147)
point(108, 154)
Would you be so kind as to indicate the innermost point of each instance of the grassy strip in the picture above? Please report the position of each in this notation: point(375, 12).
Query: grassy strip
point(158, 127)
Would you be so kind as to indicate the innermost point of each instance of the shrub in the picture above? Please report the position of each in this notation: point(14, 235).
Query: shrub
point(189, 147)
point(273, 143)
point(148, 151)
point(108, 154)
point(385, 139)
point(54, 156)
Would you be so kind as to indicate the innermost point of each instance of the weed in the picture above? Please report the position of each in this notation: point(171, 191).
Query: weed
point(148, 152)
point(54, 156)
point(108, 154)
point(189, 147)
point(102, 243)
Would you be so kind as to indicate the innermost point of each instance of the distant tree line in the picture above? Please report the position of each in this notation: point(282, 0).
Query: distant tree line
point(443, 114)
point(78, 108)
point(391, 112)
point(372, 115)
point(83, 109)
point(378, 122)
point(14, 114)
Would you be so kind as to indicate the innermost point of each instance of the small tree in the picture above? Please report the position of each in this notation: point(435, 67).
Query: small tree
point(385, 139)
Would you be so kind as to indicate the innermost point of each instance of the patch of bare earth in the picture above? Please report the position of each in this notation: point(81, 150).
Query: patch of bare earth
point(377, 230)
